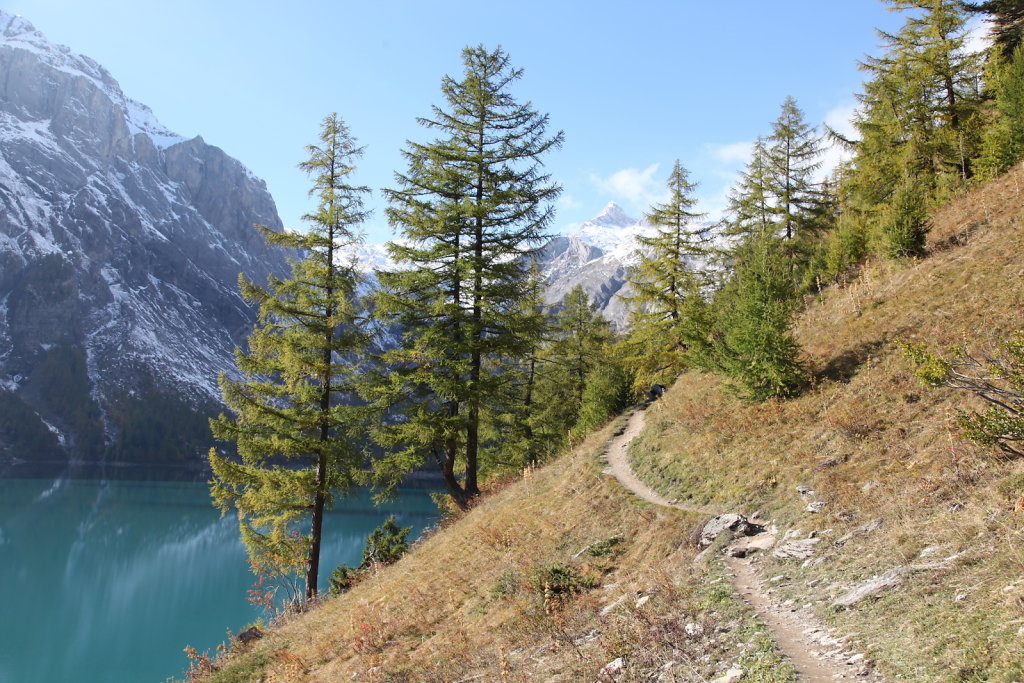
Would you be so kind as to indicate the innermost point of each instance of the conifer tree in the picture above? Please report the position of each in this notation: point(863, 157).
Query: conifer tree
point(793, 157)
point(293, 423)
point(919, 120)
point(473, 204)
point(668, 283)
point(581, 338)
point(753, 343)
point(1003, 144)
point(751, 206)
point(1007, 19)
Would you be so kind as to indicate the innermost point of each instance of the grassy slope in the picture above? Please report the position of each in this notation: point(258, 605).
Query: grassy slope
point(874, 444)
point(867, 438)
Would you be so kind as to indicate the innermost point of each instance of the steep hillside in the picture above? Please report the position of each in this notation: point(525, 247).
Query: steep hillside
point(910, 548)
point(120, 249)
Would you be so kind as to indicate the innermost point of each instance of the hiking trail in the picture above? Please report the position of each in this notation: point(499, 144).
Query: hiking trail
point(816, 655)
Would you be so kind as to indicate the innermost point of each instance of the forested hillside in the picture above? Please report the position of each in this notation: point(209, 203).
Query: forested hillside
point(825, 343)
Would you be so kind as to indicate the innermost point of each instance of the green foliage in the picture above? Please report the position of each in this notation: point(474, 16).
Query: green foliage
point(386, 544)
point(792, 155)
point(581, 348)
point(1003, 144)
point(604, 547)
point(752, 343)
point(294, 421)
point(506, 585)
point(23, 433)
point(1006, 20)
point(667, 314)
point(606, 393)
point(471, 206)
point(996, 377)
point(559, 580)
point(343, 578)
point(919, 123)
point(906, 222)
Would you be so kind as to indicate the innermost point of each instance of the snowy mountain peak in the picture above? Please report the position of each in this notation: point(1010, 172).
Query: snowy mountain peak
point(612, 216)
point(18, 33)
point(612, 230)
point(15, 25)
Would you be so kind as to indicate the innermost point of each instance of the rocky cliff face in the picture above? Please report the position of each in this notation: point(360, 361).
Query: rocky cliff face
point(597, 256)
point(120, 249)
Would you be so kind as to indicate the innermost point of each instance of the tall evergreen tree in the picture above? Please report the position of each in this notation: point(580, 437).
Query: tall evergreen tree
point(293, 422)
point(473, 204)
point(668, 283)
point(751, 208)
point(752, 342)
point(581, 338)
point(793, 154)
point(919, 118)
point(1003, 144)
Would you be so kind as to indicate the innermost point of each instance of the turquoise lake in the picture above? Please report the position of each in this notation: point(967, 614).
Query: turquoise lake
point(108, 581)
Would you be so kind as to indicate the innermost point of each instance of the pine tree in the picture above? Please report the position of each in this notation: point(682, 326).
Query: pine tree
point(668, 283)
point(919, 120)
point(1003, 144)
point(473, 204)
point(293, 422)
point(793, 157)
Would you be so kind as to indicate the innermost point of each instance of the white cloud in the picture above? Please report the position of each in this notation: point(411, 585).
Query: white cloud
point(733, 152)
point(632, 185)
point(978, 31)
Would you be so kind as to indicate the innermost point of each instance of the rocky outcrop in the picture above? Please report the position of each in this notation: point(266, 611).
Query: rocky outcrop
point(120, 249)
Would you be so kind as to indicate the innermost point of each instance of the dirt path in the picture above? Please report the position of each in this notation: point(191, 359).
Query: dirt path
point(815, 654)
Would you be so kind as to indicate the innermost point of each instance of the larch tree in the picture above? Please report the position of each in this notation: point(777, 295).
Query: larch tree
point(471, 208)
point(751, 207)
point(580, 346)
point(293, 423)
point(919, 121)
point(668, 281)
point(793, 156)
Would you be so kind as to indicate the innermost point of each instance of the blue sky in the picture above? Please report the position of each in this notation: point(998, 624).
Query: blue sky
point(634, 86)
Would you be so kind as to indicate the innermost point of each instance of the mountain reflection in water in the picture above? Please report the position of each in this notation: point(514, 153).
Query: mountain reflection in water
point(107, 580)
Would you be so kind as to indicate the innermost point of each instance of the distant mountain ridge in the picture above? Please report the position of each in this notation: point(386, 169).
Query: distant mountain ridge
point(120, 248)
point(597, 256)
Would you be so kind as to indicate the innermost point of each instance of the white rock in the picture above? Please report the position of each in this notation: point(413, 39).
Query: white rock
point(613, 667)
point(730, 676)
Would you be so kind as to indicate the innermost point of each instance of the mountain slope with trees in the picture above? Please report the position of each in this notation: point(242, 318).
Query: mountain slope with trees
point(867, 439)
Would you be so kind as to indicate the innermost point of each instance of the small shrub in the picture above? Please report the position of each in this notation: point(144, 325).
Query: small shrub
point(386, 544)
point(605, 547)
point(343, 578)
point(996, 377)
point(559, 580)
point(506, 585)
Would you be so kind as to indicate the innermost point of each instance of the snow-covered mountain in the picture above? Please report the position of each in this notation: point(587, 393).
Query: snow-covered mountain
point(120, 249)
point(596, 255)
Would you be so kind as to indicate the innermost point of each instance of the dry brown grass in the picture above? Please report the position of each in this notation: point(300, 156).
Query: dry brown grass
point(872, 442)
point(472, 600)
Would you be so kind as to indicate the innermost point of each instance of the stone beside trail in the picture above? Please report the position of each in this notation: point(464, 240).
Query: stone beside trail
point(815, 654)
